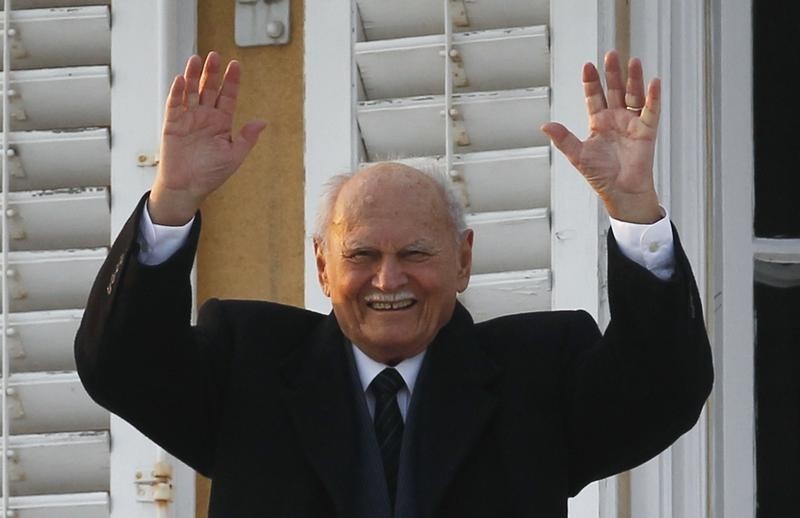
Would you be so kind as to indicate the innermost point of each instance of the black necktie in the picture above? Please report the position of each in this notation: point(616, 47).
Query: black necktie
point(388, 423)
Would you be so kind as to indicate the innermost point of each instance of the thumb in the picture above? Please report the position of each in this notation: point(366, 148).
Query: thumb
point(248, 136)
point(564, 140)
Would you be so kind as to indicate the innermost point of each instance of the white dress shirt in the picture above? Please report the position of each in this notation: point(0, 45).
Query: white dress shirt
point(651, 246)
point(368, 369)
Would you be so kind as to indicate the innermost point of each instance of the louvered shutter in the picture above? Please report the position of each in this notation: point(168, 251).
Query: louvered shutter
point(499, 160)
point(58, 222)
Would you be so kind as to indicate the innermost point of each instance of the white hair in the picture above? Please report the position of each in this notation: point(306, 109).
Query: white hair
point(334, 185)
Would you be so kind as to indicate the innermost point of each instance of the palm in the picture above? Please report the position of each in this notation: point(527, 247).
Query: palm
point(197, 150)
point(617, 156)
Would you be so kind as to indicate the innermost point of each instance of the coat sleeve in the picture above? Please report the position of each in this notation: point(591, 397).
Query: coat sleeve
point(634, 391)
point(139, 356)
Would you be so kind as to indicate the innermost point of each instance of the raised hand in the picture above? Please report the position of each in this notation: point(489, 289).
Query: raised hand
point(617, 156)
point(199, 151)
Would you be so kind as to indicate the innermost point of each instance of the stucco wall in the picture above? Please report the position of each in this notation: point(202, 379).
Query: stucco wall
point(252, 240)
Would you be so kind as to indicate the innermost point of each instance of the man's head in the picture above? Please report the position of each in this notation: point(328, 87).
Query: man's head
point(392, 252)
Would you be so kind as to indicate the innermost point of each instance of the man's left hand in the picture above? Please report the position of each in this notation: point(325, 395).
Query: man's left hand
point(617, 157)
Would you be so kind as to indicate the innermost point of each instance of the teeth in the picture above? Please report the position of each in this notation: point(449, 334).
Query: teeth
point(389, 297)
point(386, 306)
point(390, 301)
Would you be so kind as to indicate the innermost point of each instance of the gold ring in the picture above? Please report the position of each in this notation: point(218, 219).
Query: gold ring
point(634, 108)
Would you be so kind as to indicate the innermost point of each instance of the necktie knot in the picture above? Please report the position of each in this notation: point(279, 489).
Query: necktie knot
point(386, 384)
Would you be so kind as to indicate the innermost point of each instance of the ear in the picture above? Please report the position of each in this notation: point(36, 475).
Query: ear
point(322, 274)
point(465, 260)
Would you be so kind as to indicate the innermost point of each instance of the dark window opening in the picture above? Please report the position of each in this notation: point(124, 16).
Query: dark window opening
point(776, 40)
point(777, 382)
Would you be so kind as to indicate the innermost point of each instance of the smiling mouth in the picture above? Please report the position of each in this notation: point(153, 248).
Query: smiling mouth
point(391, 306)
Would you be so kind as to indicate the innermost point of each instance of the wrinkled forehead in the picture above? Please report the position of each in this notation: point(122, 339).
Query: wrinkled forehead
point(389, 191)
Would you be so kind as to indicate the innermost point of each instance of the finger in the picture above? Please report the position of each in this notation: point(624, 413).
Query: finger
point(174, 106)
point(247, 138)
point(616, 94)
point(564, 140)
point(192, 77)
point(652, 106)
point(634, 89)
point(226, 101)
point(593, 90)
point(209, 81)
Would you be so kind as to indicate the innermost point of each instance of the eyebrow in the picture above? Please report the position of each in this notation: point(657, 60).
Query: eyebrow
point(420, 245)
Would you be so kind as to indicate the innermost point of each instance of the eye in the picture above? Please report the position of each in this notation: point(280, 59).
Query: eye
point(416, 255)
point(359, 256)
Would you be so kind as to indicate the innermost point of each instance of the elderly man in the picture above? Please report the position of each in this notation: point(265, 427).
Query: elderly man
point(396, 404)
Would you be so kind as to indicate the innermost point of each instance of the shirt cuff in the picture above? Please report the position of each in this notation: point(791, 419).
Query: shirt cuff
point(650, 246)
point(157, 243)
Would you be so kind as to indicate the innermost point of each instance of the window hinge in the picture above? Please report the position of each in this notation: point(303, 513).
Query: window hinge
point(154, 484)
point(459, 13)
point(147, 159)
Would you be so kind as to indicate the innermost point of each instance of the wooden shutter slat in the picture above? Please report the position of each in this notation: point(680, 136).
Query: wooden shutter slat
point(47, 402)
point(506, 119)
point(59, 159)
point(61, 36)
point(383, 20)
point(74, 462)
point(510, 240)
point(52, 279)
point(497, 59)
point(59, 219)
point(42, 340)
point(77, 505)
point(59, 98)
point(495, 294)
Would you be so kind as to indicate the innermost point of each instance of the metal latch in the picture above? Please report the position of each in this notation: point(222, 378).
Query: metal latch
point(15, 164)
point(15, 44)
point(460, 134)
point(154, 484)
point(16, 105)
point(262, 22)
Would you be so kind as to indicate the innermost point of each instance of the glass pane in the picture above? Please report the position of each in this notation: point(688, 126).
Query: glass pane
point(776, 38)
point(777, 371)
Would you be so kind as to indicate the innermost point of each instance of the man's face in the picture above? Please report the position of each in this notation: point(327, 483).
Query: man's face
point(392, 265)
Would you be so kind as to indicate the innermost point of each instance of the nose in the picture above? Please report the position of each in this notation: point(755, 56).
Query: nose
point(389, 275)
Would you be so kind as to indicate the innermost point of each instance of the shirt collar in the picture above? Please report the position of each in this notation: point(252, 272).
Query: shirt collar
point(369, 368)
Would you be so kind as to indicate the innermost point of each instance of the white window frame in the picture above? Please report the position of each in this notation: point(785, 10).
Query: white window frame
point(672, 39)
point(733, 404)
point(150, 41)
point(578, 225)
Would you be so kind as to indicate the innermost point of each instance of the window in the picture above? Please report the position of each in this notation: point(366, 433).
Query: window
point(756, 265)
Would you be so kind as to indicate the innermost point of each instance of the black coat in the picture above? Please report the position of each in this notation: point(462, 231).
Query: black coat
point(514, 414)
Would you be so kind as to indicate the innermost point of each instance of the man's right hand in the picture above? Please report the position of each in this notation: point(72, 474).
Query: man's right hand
point(198, 149)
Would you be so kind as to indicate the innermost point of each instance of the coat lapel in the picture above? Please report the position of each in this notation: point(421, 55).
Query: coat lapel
point(320, 400)
point(456, 402)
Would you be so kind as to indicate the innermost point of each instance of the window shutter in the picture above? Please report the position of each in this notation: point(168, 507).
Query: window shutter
point(58, 220)
point(500, 73)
